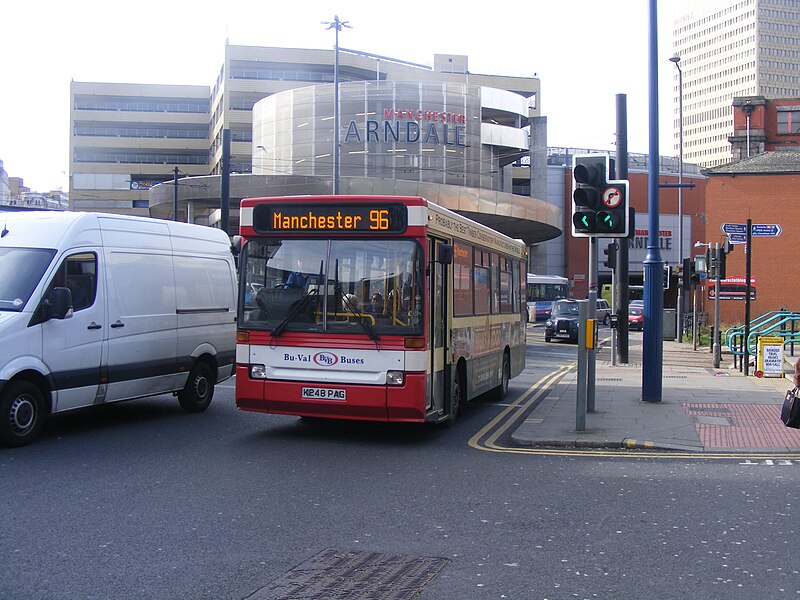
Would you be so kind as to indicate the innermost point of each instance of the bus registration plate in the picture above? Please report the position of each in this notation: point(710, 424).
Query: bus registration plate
point(323, 393)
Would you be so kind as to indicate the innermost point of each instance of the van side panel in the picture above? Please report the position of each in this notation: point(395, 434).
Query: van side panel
point(205, 284)
point(206, 309)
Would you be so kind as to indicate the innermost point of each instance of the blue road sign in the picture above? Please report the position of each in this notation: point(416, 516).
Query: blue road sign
point(739, 228)
point(737, 238)
point(771, 230)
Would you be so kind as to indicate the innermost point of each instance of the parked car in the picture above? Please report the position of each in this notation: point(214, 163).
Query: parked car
point(563, 321)
point(636, 317)
point(603, 313)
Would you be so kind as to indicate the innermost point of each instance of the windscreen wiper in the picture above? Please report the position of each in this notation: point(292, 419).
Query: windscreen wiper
point(362, 320)
point(296, 308)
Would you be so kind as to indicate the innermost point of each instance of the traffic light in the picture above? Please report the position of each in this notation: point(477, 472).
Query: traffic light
point(721, 256)
point(610, 251)
point(689, 276)
point(600, 205)
point(667, 276)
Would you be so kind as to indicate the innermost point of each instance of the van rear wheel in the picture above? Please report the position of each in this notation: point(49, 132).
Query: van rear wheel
point(21, 413)
point(199, 389)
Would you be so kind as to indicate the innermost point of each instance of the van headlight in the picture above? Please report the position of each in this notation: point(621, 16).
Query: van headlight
point(258, 372)
point(395, 377)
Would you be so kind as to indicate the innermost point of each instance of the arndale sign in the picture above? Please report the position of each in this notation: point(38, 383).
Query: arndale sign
point(411, 126)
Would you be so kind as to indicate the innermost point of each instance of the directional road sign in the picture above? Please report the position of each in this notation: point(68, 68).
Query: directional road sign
point(772, 230)
point(737, 238)
point(729, 228)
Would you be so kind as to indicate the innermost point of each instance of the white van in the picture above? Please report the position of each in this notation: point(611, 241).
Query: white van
point(98, 308)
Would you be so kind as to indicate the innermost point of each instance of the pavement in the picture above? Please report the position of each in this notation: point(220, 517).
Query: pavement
point(702, 409)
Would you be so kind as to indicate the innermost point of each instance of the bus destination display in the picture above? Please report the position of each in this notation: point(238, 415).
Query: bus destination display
point(330, 218)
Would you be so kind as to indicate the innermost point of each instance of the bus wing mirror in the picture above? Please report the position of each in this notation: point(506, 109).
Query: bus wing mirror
point(236, 245)
point(444, 254)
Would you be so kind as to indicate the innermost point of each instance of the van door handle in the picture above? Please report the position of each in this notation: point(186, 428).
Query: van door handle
point(117, 324)
point(94, 325)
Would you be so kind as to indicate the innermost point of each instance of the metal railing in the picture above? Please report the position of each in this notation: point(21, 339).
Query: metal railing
point(777, 323)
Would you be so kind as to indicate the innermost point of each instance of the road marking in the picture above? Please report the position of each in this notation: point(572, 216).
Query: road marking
point(506, 419)
point(634, 449)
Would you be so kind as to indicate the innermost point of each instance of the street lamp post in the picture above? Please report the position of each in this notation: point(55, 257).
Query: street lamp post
point(676, 59)
point(337, 25)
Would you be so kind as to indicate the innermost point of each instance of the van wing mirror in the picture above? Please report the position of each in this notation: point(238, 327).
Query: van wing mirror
point(59, 305)
point(444, 254)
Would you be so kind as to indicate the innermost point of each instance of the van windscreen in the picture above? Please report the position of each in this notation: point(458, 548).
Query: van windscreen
point(20, 271)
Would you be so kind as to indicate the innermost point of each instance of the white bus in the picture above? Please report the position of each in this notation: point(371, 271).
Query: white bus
point(541, 291)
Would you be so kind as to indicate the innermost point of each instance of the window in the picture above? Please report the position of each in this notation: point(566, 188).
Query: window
point(481, 289)
point(505, 285)
point(495, 270)
point(462, 291)
point(789, 121)
point(333, 286)
point(78, 273)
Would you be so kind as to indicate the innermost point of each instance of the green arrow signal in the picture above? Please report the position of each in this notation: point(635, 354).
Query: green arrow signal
point(608, 220)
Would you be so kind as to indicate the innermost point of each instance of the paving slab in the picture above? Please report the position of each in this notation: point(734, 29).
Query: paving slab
point(702, 408)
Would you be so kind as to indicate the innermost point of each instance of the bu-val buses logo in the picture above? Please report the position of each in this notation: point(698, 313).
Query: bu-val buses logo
point(326, 359)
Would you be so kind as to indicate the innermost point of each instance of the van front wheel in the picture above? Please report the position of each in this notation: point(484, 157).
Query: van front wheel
point(199, 389)
point(21, 413)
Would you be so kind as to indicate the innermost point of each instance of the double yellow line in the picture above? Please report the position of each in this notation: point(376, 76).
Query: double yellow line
point(486, 438)
point(510, 416)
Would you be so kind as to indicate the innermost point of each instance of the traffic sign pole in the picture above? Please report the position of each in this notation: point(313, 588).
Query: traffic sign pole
point(748, 259)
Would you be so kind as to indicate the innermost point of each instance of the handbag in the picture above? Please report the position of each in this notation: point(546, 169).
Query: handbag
point(790, 411)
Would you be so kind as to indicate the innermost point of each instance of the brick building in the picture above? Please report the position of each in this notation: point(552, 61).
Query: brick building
point(762, 188)
point(761, 125)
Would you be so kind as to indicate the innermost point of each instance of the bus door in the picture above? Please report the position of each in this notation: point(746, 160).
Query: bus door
point(438, 326)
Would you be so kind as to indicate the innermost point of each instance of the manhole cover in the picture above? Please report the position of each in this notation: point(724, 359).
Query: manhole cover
point(336, 574)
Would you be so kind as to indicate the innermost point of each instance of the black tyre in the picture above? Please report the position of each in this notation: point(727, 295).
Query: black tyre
point(547, 338)
point(21, 413)
point(501, 391)
point(199, 389)
point(456, 401)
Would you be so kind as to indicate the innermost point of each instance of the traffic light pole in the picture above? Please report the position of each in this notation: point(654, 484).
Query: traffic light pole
point(591, 314)
point(621, 274)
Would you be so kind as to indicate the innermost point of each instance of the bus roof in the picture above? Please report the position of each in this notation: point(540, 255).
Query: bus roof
point(534, 278)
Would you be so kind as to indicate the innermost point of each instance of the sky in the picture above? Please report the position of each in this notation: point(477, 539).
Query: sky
point(585, 52)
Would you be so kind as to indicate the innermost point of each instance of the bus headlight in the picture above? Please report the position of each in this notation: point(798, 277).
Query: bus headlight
point(258, 372)
point(395, 377)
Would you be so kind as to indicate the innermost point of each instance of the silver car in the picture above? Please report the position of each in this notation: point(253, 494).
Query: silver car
point(603, 313)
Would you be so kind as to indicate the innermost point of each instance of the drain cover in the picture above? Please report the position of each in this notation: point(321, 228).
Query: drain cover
point(336, 574)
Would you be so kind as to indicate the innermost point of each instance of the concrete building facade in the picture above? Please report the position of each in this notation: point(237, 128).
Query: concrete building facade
point(730, 48)
point(456, 137)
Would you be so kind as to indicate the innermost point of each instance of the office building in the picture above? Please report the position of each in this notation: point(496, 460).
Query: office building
point(730, 48)
point(461, 139)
